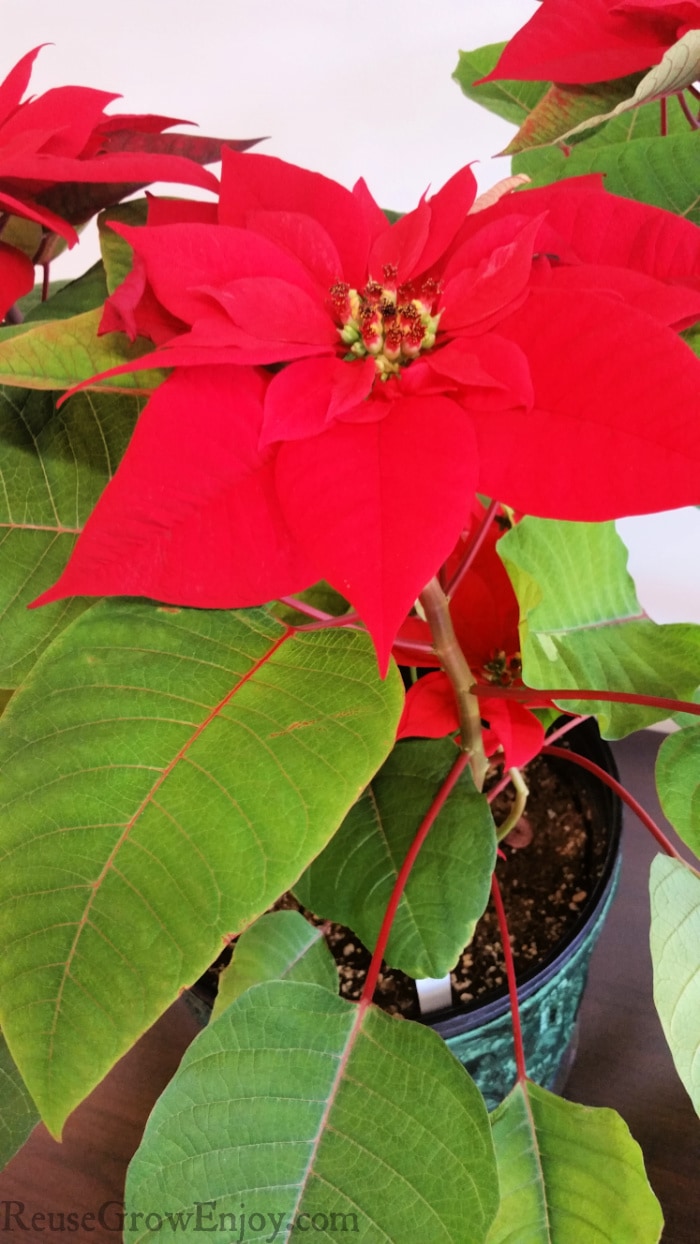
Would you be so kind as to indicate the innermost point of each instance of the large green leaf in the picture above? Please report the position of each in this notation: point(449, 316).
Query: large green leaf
point(581, 625)
point(678, 783)
point(18, 1114)
point(352, 879)
point(166, 774)
point(296, 1103)
point(678, 68)
point(641, 122)
point(569, 1175)
point(662, 171)
point(675, 953)
point(542, 111)
point(59, 354)
point(566, 110)
point(53, 467)
point(280, 946)
point(511, 100)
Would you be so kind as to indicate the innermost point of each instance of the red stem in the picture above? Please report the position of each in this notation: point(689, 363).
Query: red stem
point(529, 695)
point(412, 653)
point(663, 102)
point(13, 315)
point(472, 549)
point(404, 872)
point(687, 111)
point(665, 844)
point(512, 983)
point(302, 607)
point(346, 619)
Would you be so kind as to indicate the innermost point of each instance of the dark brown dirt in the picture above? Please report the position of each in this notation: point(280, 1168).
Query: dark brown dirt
point(551, 861)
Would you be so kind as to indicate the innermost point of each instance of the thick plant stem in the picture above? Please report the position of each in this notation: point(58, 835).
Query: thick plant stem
point(454, 663)
point(654, 829)
point(404, 872)
point(512, 983)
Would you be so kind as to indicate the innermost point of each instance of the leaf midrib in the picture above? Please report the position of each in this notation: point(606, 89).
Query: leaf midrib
point(109, 863)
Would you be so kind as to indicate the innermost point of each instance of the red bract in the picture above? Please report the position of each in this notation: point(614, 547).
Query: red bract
point(574, 41)
point(528, 352)
point(62, 159)
point(485, 614)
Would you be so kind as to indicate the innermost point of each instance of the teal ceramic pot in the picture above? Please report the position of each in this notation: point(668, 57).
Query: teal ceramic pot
point(480, 1034)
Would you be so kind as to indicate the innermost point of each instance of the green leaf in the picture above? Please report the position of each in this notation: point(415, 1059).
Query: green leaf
point(511, 100)
point(299, 1103)
point(678, 68)
point(352, 879)
point(116, 252)
point(641, 122)
point(280, 946)
point(18, 1114)
point(67, 298)
point(692, 337)
point(678, 783)
point(62, 353)
point(675, 954)
point(543, 111)
point(581, 625)
point(569, 1174)
point(166, 774)
point(566, 110)
point(664, 172)
point(53, 468)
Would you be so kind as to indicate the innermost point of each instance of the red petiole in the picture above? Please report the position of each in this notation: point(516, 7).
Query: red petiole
point(583, 762)
point(512, 982)
point(472, 549)
point(428, 821)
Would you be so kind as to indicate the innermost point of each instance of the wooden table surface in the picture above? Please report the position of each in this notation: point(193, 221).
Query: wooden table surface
point(622, 1062)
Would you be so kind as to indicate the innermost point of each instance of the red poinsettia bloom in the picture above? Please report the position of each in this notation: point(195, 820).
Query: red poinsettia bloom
point(595, 40)
point(485, 614)
point(343, 386)
point(62, 159)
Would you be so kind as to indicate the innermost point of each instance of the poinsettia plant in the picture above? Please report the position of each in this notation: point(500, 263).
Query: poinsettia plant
point(271, 448)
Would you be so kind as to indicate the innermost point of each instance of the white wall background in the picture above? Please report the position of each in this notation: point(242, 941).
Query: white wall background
point(350, 89)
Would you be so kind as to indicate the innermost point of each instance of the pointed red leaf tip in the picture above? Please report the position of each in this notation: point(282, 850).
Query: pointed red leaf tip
point(62, 159)
point(396, 370)
point(574, 41)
